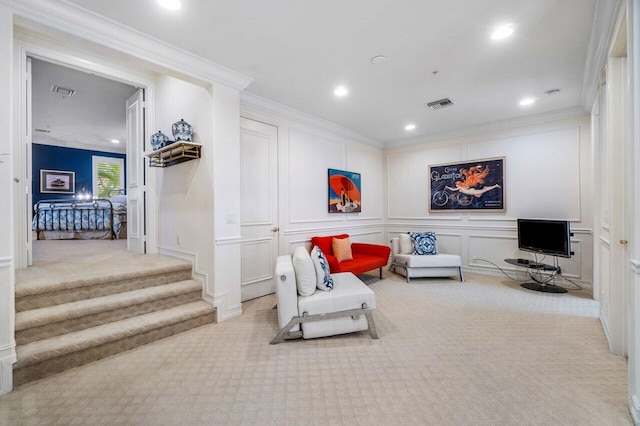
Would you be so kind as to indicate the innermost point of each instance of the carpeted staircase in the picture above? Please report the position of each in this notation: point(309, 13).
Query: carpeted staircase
point(61, 324)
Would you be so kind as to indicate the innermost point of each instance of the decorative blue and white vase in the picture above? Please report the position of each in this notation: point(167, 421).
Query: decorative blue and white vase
point(182, 131)
point(158, 140)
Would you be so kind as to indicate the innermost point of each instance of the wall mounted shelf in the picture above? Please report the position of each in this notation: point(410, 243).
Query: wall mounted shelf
point(176, 153)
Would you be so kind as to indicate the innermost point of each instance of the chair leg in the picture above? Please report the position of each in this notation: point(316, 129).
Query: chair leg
point(381, 273)
point(372, 326)
point(461, 276)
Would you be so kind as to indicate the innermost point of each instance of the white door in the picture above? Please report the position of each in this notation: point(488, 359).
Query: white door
point(136, 232)
point(259, 210)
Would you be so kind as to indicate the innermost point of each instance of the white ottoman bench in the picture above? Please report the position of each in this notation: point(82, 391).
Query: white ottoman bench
point(415, 266)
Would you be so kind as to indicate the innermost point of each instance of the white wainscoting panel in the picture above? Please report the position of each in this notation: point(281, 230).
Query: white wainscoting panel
point(310, 157)
point(368, 162)
point(542, 172)
point(408, 183)
point(261, 255)
point(494, 248)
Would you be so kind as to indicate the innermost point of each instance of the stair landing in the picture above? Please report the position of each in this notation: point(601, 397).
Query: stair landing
point(83, 300)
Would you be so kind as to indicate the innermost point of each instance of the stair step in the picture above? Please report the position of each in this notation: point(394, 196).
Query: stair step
point(43, 323)
point(42, 293)
point(45, 357)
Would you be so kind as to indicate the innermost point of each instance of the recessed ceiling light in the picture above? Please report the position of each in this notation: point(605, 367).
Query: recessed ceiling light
point(410, 126)
point(170, 4)
point(340, 91)
point(115, 141)
point(378, 59)
point(527, 101)
point(503, 31)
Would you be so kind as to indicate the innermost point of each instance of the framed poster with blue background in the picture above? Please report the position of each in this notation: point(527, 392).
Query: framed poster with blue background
point(474, 185)
point(344, 192)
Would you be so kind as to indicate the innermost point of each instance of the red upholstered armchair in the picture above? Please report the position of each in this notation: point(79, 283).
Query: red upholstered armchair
point(365, 256)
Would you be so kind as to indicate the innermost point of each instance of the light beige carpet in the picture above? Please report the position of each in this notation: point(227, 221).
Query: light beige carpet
point(483, 352)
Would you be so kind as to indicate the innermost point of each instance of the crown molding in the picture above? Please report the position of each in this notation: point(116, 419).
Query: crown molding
point(604, 21)
point(258, 103)
point(527, 120)
point(88, 25)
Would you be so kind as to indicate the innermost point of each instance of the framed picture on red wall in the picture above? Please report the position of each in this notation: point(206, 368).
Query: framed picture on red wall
point(57, 182)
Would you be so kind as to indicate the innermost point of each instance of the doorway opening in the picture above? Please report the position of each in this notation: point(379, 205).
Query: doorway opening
point(83, 130)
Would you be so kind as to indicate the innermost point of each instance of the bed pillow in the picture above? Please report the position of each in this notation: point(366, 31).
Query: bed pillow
point(406, 245)
point(342, 249)
point(424, 242)
point(305, 271)
point(324, 281)
point(118, 199)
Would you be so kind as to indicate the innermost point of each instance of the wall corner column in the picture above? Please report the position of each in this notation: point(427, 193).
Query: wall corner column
point(7, 267)
point(225, 288)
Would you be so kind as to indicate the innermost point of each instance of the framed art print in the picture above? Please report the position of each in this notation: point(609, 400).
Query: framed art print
point(57, 182)
point(475, 185)
point(344, 192)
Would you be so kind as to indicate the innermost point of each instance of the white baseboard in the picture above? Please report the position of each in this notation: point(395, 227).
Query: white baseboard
point(6, 373)
point(634, 409)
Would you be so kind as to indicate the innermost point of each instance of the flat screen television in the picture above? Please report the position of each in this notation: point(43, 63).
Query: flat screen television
point(549, 237)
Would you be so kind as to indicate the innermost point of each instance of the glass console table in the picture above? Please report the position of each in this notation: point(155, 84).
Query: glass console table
point(541, 274)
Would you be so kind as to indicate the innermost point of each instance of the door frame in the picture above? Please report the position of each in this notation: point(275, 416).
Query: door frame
point(81, 61)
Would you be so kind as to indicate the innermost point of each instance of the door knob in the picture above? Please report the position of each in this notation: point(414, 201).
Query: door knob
point(275, 229)
point(624, 242)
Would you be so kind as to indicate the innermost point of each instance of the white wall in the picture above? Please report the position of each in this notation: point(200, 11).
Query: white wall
point(188, 224)
point(548, 175)
point(305, 153)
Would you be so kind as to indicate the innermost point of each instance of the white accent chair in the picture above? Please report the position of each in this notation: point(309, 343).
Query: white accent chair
point(345, 309)
point(419, 266)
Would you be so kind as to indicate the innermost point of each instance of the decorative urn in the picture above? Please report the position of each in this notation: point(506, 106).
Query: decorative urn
point(182, 131)
point(158, 140)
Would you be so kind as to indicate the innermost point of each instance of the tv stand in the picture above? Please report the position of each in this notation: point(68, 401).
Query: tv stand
point(539, 284)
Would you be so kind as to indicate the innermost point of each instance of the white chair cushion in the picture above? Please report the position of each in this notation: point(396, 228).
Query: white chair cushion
point(406, 245)
point(305, 272)
point(323, 275)
point(429, 261)
point(348, 293)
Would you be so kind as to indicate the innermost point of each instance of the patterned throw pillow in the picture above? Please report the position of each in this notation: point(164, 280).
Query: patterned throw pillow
point(323, 275)
point(424, 242)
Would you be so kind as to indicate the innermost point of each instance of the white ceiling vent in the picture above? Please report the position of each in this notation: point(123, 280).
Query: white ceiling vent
point(62, 90)
point(442, 103)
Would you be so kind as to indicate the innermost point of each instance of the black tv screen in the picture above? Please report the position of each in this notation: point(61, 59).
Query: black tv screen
point(550, 237)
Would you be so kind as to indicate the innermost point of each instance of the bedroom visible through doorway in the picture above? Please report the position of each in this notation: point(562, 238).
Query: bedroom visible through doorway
point(78, 154)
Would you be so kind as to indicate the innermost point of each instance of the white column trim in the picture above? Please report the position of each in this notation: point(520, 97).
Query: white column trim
point(6, 262)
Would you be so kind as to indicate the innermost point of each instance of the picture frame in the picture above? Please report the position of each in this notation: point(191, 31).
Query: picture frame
point(57, 182)
point(345, 191)
point(470, 185)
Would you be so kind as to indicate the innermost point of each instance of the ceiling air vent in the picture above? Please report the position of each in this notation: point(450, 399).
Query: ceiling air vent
point(63, 91)
point(442, 103)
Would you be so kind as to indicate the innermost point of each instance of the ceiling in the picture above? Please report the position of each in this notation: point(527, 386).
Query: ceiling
point(298, 51)
point(90, 119)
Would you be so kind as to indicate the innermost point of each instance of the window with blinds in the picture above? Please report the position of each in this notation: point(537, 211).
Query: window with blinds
point(108, 176)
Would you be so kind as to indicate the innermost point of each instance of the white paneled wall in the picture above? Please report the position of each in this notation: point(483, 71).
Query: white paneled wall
point(548, 176)
point(305, 154)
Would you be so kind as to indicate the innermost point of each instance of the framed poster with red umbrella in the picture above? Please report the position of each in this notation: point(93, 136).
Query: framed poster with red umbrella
point(344, 192)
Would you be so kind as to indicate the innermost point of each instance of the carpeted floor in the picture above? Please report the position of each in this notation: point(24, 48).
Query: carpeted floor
point(483, 352)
